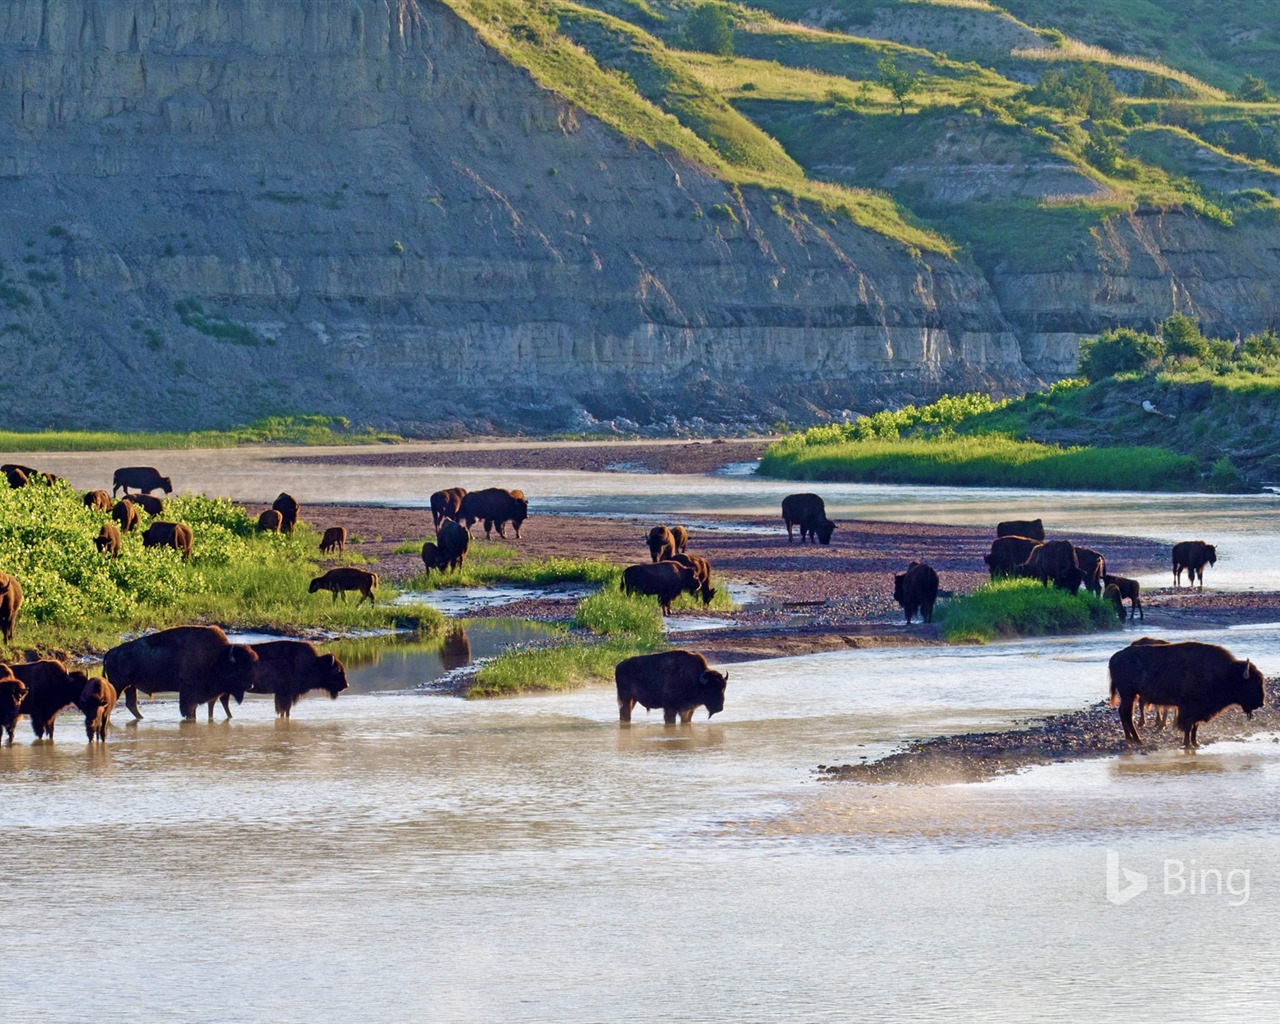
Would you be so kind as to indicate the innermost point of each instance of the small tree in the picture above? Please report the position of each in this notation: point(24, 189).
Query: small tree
point(1182, 337)
point(1264, 347)
point(710, 29)
point(1102, 152)
point(1121, 350)
point(1254, 90)
point(901, 83)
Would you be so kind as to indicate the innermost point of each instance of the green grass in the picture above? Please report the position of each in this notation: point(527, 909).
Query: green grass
point(300, 430)
point(567, 666)
point(493, 563)
point(1013, 608)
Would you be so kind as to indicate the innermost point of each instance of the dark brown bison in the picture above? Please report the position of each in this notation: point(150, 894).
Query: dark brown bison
point(288, 509)
point(270, 521)
point(808, 512)
point(340, 580)
point(10, 605)
point(1094, 567)
point(99, 500)
point(108, 540)
point(1008, 555)
point(27, 474)
point(1200, 680)
point(151, 506)
point(702, 570)
point(13, 692)
point(447, 504)
point(453, 542)
point(126, 514)
point(1192, 555)
point(662, 545)
point(1112, 596)
point(196, 661)
point(494, 507)
point(1129, 591)
point(916, 590)
point(1055, 560)
point(290, 668)
point(1033, 528)
point(96, 702)
point(143, 479)
point(664, 580)
point(50, 688)
point(334, 539)
point(169, 535)
point(16, 478)
point(432, 557)
point(681, 537)
point(679, 682)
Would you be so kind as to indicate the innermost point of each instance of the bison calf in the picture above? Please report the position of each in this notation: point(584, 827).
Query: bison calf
point(334, 539)
point(108, 540)
point(126, 514)
point(99, 500)
point(679, 682)
point(270, 521)
point(340, 580)
point(96, 702)
point(10, 605)
point(1129, 591)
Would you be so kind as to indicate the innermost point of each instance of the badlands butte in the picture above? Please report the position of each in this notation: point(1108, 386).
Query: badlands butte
point(446, 217)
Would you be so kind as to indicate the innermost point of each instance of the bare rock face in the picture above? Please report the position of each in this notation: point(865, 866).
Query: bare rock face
point(220, 210)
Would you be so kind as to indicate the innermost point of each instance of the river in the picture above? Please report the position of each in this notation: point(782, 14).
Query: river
point(400, 855)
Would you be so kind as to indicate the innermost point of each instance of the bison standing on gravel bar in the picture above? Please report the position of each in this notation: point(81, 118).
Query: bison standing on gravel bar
point(1055, 560)
point(340, 580)
point(1033, 528)
point(1094, 567)
point(1008, 555)
point(494, 507)
point(196, 661)
point(916, 590)
point(1192, 555)
point(662, 545)
point(50, 688)
point(446, 504)
point(664, 580)
point(1129, 591)
point(143, 479)
point(288, 509)
point(1112, 596)
point(808, 512)
point(679, 682)
point(1200, 680)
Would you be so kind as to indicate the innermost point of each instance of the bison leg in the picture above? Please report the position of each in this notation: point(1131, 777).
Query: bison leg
point(363, 595)
point(1126, 718)
point(517, 531)
point(669, 716)
point(502, 530)
point(686, 716)
point(624, 708)
point(131, 702)
point(790, 539)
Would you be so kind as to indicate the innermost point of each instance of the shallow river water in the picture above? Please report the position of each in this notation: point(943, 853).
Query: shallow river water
point(400, 855)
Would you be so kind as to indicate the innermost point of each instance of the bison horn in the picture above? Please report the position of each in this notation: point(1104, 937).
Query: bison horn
point(1248, 665)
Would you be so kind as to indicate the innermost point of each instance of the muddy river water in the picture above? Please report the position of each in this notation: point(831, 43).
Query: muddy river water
point(401, 855)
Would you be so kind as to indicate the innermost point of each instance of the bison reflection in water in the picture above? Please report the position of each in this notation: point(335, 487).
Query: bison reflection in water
point(455, 651)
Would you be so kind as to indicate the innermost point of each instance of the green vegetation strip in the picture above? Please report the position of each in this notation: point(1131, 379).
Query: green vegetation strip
point(79, 600)
point(492, 563)
point(1014, 608)
point(302, 430)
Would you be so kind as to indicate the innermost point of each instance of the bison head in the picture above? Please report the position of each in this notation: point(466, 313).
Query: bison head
point(825, 529)
point(713, 684)
point(239, 669)
point(12, 693)
point(316, 584)
point(899, 588)
point(332, 674)
point(1252, 690)
point(708, 594)
point(166, 485)
point(1211, 553)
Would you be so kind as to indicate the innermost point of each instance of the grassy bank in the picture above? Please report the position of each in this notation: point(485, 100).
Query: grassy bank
point(1014, 608)
point(79, 600)
point(496, 563)
point(300, 430)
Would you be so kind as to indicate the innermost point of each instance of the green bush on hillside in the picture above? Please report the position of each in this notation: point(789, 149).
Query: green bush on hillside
point(1121, 350)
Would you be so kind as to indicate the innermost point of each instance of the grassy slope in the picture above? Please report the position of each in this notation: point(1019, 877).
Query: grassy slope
point(302, 430)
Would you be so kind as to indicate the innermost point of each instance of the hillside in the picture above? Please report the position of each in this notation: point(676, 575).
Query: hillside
point(485, 214)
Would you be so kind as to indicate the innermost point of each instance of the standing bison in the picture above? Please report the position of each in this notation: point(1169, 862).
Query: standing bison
point(270, 521)
point(196, 661)
point(334, 539)
point(290, 668)
point(664, 580)
point(702, 570)
point(1094, 568)
point(808, 512)
point(13, 691)
point(288, 509)
point(916, 590)
point(108, 540)
point(494, 507)
point(50, 688)
point(1033, 528)
point(1130, 591)
point(679, 682)
point(344, 578)
point(151, 506)
point(452, 543)
point(126, 514)
point(96, 702)
point(1200, 680)
point(446, 504)
point(1055, 560)
point(99, 500)
point(143, 479)
point(1192, 555)
point(662, 544)
point(10, 605)
point(169, 535)
point(1008, 555)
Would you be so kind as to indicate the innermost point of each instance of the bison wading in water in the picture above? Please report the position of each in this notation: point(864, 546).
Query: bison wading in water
point(679, 682)
point(13, 691)
point(96, 702)
point(808, 512)
point(287, 669)
point(916, 590)
point(50, 688)
point(143, 479)
point(1033, 528)
point(1200, 680)
point(1192, 555)
point(196, 661)
point(664, 580)
point(494, 507)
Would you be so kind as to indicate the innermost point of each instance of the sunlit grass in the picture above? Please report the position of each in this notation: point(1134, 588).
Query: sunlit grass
point(1013, 608)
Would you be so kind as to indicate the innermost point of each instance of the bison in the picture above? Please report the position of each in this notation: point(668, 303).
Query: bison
point(1129, 591)
point(494, 507)
point(143, 479)
point(96, 702)
point(1192, 555)
point(679, 682)
point(50, 688)
point(664, 580)
point(808, 512)
point(1112, 596)
point(26, 474)
point(916, 590)
point(151, 506)
point(453, 541)
point(1200, 680)
point(288, 509)
point(446, 504)
point(432, 557)
point(334, 539)
point(290, 668)
point(108, 540)
point(702, 570)
point(344, 578)
point(1008, 555)
point(1055, 560)
point(1033, 528)
point(10, 605)
point(196, 661)
point(13, 692)
point(15, 477)
point(681, 537)
point(1094, 567)
point(99, 500)
point(662, 545)
point(270, 521)
point(168, 535)
point(126, 514)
